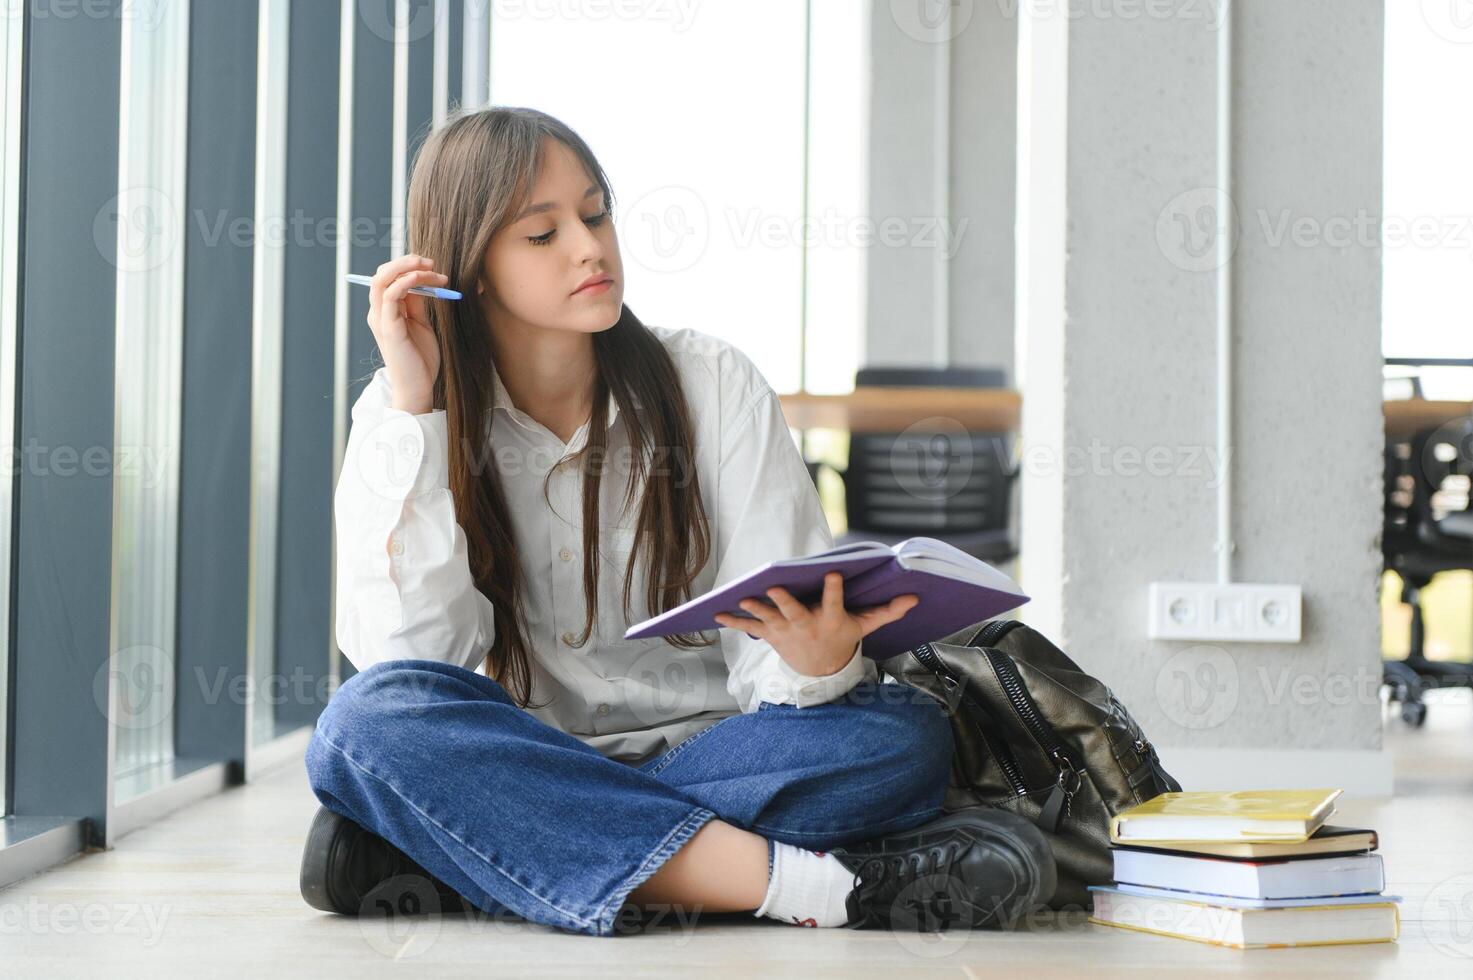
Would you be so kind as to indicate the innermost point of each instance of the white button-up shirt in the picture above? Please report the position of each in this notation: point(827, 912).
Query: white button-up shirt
point(404, 588)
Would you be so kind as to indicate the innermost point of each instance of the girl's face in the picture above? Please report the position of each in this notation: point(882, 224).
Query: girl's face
point(535, 265)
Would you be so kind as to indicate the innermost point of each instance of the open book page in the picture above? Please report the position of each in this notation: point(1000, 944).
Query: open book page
point(927, 556)
point(921, 554)
point(940, 558)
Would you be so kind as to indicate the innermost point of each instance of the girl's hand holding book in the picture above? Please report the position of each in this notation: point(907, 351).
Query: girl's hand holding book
point(816, 640)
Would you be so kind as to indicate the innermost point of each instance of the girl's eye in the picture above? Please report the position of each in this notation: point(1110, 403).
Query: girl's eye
point(593, 221)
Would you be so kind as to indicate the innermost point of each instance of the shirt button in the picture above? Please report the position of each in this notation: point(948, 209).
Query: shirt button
point(396, 547)
point(568, 638)
point(565, 555)
point(601, 710)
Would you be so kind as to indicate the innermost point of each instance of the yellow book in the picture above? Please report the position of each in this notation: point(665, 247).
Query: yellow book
point(1259, 815)
point(1313, 925)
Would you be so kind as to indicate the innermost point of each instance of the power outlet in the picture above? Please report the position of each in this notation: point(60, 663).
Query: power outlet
point(1239, 613)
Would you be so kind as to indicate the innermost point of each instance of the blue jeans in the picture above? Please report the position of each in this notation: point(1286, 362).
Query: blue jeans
point(519, 816)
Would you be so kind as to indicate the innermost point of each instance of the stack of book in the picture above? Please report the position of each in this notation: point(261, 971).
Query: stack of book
point(1247, 870)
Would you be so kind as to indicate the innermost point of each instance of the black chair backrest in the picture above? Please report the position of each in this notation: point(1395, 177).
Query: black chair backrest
point(924, 377)
point(1425, 477)
point(939, 480)
point(932, 483)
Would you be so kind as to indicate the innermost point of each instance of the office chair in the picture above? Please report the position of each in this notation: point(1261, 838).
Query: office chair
point(946, 483)
point(1418, 543)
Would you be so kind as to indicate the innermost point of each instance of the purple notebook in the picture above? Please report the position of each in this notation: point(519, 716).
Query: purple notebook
point(955, 590)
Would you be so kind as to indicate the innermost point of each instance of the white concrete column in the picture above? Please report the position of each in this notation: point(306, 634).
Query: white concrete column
point(1117, 157)
point(941, 177)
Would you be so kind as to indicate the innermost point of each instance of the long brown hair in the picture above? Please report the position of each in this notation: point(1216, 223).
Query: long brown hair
point(470, 178)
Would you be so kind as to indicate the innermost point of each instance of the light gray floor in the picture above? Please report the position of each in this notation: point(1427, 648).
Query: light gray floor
point(212, 891)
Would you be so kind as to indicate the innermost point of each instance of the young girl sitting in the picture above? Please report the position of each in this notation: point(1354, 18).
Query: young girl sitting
point(531, 471)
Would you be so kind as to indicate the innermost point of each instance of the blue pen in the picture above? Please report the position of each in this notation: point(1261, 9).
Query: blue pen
point(434, 291)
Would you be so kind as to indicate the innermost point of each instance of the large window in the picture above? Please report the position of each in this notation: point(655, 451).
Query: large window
point(267, 288)
point(150, 296)
point(1427, 290)
point(738, 184)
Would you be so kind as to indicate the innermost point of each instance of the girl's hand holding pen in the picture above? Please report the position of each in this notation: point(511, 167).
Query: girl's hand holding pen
point(815, 641)
point(400, 323)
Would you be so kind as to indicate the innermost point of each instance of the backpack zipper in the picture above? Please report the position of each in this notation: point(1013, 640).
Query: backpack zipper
point(993, 631)
point(1001, 755)
point(1069, 777)
point(1145, 751)
point(1023, 706)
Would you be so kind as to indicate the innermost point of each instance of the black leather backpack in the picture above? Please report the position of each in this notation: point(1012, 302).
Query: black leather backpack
point(1037, 735)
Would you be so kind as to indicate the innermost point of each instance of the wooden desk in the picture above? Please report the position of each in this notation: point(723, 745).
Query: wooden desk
point(998, 410)
point(896, 409)
point(1405, 417)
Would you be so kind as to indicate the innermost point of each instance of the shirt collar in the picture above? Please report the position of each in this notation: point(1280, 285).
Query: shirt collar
point(504, 402)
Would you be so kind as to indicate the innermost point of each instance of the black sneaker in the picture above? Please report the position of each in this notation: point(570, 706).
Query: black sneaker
point(353, 871)
point(974, 867)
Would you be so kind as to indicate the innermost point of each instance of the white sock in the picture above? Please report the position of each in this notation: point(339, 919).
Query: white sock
point(806, 888)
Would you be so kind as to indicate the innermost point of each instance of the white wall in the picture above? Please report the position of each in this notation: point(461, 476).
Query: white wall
point(1116, 311)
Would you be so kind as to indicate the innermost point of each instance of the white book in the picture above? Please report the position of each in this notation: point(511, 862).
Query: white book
point(1233, 902)
point(1344, 874)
